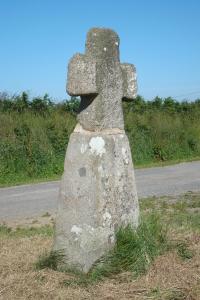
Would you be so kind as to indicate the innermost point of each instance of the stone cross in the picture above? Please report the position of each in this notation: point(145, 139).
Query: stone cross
point(97, 192)
point(101, 81)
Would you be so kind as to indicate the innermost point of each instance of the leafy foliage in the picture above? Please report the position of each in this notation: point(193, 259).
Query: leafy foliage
point(34, 133)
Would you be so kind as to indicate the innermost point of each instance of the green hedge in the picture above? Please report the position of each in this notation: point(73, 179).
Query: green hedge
point(34, 134)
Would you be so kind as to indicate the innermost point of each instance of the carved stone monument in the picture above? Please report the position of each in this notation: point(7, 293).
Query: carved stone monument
point(98, 192)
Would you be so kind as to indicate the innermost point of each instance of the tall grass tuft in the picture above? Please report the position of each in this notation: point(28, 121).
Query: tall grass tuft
point(50, 260)
point(134, 250)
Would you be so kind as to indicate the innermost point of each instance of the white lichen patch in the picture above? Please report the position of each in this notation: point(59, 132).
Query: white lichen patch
point(89, 229)
point(105, 49)
point(112, 239)
point(77, 230)
point(97, 146)
point(125, 156)
point(107, 218)
point(83, 148)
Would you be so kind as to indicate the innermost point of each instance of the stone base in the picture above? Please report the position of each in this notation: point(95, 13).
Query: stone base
point(97, 195)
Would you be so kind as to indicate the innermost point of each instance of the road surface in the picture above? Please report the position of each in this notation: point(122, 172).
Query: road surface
point(36, 199)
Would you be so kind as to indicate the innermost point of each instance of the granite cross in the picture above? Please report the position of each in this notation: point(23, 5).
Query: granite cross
point(101, 81)
point(98, 192)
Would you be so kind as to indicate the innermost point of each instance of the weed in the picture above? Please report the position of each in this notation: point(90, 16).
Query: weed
point(182, 212)
point(183, 251)
point(4, 229)
point(135, 250)
point(47, 214)
point(176, 295)
point(185, 220)
point(51, 260)
point(168, 294)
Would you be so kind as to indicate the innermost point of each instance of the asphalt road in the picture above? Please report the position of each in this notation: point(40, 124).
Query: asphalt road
point(36, 199)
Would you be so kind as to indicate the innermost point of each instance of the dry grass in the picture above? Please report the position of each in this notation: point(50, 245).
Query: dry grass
point(169, 277)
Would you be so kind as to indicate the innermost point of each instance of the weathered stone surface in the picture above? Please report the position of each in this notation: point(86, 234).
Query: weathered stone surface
point(101, 81)
point(98, 192)
point(97, 195)
point(129, 81)
point(82, 76)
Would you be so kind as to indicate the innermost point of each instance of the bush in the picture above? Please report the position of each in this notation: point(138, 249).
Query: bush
point(34, 133)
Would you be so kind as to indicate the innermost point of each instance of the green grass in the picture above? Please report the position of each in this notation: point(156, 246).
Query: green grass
point(152, 164)
point(183, 251)
point(182, 212)
point(33, 142)
point(23, 180)
point(169, 294)
point(135, 250)
point(8, 232)
point(50, 260)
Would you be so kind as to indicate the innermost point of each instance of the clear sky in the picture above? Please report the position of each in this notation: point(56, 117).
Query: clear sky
point(162, 39)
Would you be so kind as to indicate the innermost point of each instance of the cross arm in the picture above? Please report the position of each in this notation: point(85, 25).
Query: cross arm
point(81, 78)
point(129, 81)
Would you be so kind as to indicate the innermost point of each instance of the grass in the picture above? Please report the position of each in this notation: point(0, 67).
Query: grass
point(173, 294)
point(183, 251)
point(134, 250)
point(33, 143)
point(20, 232)
point(182, 212)
point(50, 260)
point(159, 261)
point(151, 164)
point(23, 179)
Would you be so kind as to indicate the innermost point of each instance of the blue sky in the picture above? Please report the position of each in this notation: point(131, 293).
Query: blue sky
point(161, 38)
